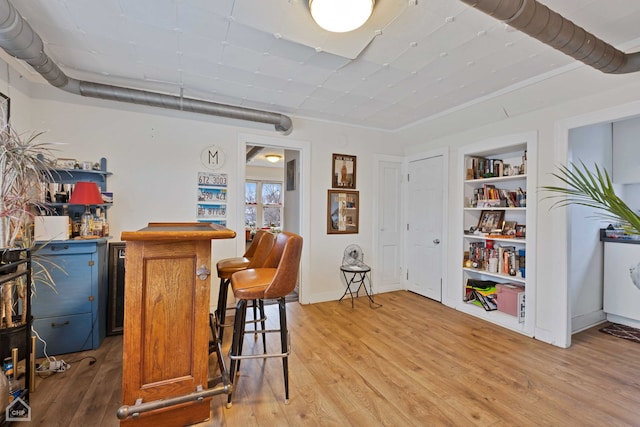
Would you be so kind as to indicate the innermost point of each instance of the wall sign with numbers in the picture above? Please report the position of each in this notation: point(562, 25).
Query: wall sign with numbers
point(212, 198)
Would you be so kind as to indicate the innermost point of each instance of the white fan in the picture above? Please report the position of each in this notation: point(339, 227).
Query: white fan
point(353, 257)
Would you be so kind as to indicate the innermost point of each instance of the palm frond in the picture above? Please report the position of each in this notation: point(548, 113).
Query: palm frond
point(594, 190)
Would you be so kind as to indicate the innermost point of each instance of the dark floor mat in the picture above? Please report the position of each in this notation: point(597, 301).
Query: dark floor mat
point(622, 331)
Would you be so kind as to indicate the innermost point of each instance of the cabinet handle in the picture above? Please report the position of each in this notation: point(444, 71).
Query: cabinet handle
point(59, 248)
point(56, 325)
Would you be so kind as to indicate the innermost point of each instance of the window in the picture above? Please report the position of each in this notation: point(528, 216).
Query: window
point(263, 204)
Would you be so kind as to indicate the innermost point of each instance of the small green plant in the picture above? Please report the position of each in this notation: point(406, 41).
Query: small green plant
point(594, 190)
point(25, 164)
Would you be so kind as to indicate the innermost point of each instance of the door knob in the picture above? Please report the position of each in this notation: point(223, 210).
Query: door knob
point(436, 241)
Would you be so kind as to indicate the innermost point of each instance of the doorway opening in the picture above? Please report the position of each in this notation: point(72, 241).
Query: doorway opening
point(282, 197)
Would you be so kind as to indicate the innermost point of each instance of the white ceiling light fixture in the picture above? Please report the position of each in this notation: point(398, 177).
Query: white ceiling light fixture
point(341, 16)
point(273, 158)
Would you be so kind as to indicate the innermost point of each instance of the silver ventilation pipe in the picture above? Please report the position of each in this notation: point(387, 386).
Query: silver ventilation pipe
point(18, 39)
point(551, 28)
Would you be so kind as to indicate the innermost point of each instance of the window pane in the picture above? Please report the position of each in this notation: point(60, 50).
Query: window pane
point(250, 216)
point(271, 217)
point(250, 191)
point(271, 192)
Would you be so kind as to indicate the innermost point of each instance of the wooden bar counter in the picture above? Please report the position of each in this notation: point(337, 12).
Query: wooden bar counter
point(166, 332)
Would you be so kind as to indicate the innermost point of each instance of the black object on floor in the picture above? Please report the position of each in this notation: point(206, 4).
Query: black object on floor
point(622, 331)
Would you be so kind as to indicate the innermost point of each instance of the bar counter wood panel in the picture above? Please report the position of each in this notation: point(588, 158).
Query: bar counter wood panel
point(166, 333)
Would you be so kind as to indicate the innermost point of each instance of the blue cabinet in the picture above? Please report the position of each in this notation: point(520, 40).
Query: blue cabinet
point(71, 317)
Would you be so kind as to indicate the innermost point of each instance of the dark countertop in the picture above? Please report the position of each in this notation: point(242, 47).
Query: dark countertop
point(618, 239)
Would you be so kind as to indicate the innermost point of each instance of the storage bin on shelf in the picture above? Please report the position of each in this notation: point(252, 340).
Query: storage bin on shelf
point(510, 298)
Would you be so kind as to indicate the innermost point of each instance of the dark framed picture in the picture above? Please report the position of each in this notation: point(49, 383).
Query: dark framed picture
point(5, 110)
point(521, 230)
point(490, 220)
point(291, 175)
point(509, 228)
point(343, 211)
point(344, 171)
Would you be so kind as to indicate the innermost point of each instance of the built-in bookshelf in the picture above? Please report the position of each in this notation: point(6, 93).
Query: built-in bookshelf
point(497, 231)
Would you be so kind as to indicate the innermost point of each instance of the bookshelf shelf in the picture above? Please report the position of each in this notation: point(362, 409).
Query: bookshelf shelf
point(501, 277)
point(508, 156)
point(521, 177)
point(495, 208)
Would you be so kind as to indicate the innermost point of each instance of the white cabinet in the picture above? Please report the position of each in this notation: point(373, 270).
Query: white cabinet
point(621, 296)
point(492, 195)
point(626, 151)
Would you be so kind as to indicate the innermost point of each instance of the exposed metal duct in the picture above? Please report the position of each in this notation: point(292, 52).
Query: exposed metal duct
point(19, 40)
point(542, 23)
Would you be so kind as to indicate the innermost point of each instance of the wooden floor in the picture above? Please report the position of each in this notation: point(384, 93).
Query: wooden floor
point(412, 362)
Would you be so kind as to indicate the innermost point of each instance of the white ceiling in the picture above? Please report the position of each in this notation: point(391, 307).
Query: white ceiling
point(414, 60)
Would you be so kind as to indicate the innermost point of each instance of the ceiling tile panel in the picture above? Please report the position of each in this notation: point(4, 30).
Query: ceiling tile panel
point(241, 58)
point(197, 20)
point(164, 15)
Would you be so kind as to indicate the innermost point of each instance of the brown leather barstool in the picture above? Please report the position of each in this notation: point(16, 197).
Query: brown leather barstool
point(255, 256)
point(275, 280)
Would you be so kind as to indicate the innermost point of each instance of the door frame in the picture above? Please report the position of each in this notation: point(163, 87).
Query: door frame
point(444, 153)
point(560, 225)
point(304, 147)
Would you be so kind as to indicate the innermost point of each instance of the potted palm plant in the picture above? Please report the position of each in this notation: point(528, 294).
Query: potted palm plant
point(594, 190)
point(24, 164)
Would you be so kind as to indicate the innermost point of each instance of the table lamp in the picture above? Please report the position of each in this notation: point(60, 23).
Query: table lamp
point(86, 193)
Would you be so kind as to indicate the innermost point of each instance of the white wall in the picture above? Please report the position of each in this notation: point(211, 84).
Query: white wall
point(154, 155)
point(589, 145)
point(292, 197)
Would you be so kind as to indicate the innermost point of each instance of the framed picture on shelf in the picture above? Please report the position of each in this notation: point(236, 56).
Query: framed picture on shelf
point(509, 228)
point(343, 171)
point(343, 209)
point(490, 220)
point(521, 230)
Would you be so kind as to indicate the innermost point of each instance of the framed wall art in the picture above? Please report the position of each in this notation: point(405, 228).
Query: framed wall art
point(291, 175)
point(343, 209)
point(5, 110)
point(343, 171)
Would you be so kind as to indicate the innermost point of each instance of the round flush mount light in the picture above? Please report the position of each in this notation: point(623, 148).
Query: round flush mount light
point(341, 16)
point(273, 158)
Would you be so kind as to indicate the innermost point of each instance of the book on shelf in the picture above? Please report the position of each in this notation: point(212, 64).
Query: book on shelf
point(480, 167)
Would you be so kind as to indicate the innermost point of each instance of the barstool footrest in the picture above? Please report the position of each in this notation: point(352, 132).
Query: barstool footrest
point(265, 355)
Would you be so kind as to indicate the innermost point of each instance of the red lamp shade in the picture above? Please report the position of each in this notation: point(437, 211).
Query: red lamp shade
point(86, 193)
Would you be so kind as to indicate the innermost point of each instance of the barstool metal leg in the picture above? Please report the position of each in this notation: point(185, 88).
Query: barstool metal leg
point(237, 341)
point(284, 333)
point(221, 312)
point(263, 324)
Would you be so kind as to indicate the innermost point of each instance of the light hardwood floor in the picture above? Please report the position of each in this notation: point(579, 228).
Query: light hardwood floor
point(412, 362)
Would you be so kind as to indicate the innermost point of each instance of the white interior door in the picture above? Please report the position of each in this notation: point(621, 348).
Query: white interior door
point(389, 221)
point(424, 227)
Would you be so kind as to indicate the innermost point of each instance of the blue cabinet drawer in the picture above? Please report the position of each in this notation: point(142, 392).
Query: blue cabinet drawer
point(64, 334)
point(67, 248)
point(73, 294)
